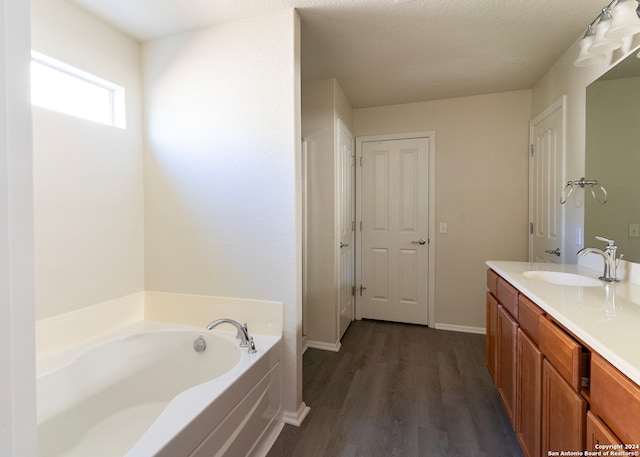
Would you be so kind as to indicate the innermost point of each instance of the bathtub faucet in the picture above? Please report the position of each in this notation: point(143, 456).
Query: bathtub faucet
point(246, 341)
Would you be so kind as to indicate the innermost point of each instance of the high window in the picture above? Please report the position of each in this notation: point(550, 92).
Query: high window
point(61, 87)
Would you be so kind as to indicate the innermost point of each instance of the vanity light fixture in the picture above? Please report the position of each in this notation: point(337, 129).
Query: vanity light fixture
point(617, 22)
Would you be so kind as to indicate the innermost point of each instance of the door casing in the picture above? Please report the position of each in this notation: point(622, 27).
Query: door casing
point(431, 138)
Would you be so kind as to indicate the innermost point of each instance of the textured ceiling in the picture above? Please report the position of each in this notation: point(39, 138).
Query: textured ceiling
point(386, 52)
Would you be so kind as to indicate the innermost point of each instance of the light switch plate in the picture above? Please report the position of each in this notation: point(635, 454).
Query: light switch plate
point(443, 227)
point(634, 230)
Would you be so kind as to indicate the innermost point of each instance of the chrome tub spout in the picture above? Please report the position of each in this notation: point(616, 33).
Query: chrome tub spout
point(246, 341)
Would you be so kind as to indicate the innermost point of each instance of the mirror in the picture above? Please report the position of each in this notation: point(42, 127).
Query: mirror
point(613, 157)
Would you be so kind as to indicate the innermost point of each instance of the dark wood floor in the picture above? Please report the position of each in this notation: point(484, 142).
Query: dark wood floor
point(399, 390)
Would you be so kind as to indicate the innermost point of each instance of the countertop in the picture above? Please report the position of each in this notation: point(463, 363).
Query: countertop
point(605, 318)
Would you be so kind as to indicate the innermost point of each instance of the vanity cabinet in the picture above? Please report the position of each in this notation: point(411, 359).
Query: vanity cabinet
point(492, 335)
point(563, 413)
point(615, 400)
point(598, 433)
point(537, 370)
point(502, 335)
point(566, 397)
point(507, 350)
point(529, 394)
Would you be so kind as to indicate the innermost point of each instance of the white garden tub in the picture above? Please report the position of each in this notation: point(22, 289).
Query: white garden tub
point(147, 392)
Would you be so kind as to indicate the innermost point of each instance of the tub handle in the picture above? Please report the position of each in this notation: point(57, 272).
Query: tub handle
point(252, 346)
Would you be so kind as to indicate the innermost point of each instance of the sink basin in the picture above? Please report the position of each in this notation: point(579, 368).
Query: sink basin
point(563, 279)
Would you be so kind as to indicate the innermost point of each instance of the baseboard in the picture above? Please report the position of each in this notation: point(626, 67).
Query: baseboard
point(335, 347)
point(296, 418)
point(461, 328)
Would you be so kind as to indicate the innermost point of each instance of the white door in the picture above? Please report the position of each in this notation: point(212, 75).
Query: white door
point(395, 230)
point(546, 226)
point(345, 227)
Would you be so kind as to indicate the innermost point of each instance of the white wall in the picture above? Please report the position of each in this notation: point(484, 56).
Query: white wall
point(17, 351)
point(222, 204)
point(481, 189)
point(323, 103)
point(318, 129)
point(88, 193)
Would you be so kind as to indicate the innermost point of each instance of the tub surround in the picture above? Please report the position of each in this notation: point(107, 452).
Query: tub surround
point(88, 324)
point(94, 322)
point(604, 318)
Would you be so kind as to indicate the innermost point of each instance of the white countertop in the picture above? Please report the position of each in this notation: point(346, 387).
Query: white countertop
point(607, 318)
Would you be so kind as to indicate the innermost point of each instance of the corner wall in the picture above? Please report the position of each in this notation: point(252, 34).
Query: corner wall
point(88, 199)
point(481, 190)
point(222, 200)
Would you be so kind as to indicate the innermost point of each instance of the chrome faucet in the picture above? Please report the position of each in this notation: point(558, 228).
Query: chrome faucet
point(609, 256)
point(246, 341)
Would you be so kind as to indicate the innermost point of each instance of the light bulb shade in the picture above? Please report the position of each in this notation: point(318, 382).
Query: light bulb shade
point(603, 44)
point(625, 21)
point(586, 57)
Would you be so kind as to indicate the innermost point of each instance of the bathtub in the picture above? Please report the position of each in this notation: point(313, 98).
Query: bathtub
point(145, 391)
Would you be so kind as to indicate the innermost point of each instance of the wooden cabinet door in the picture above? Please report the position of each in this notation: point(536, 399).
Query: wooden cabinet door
point(492, 334)
point(616, 400)
point(598, 433)
point(563, 413)
point(506, 368)
point(529, 395)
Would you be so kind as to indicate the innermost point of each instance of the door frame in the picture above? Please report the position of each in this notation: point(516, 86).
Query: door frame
point(430, 136)
point(559, 104)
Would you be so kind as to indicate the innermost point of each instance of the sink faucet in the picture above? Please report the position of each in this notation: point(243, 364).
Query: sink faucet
point(609, 257)
point(246, 341)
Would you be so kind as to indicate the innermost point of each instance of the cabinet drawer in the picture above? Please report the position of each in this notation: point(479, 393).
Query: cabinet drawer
point(616, 400)
point(508, 297)
point(492, 282)
point(564, 353)
point(598, 433)
point(528, 315)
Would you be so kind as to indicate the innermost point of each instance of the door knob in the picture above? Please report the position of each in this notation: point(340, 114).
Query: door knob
point(555, 251)
point(420, 241)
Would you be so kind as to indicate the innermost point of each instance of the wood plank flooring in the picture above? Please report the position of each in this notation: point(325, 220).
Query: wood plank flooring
point(399, 390)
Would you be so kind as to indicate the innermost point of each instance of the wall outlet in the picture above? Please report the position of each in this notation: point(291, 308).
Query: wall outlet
point(634, 230)
point(443, 227)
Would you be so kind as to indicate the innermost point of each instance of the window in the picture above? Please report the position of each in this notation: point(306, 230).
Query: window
point(61, 87)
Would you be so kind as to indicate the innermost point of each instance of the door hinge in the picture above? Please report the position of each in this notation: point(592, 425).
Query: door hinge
point(360, 160)
point(353, 226)
point(353, 291)
point(361, 226)
point(531, 228)
point(532, 150)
